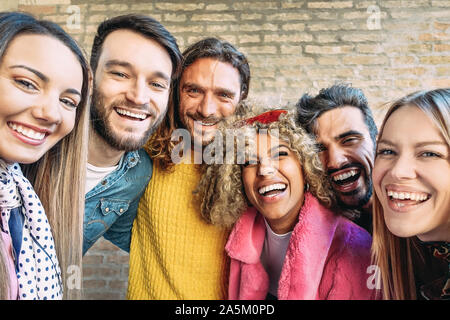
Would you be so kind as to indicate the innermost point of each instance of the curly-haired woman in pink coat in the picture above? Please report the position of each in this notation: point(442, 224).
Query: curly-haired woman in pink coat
point(286, 242)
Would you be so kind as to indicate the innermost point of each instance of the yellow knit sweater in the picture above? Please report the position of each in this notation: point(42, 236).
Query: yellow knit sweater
point(175, 254)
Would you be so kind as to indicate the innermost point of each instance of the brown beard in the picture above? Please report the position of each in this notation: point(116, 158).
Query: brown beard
point(99, 121)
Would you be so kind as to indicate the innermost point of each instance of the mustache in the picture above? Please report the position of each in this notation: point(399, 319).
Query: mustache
point(346, 166)
point(209, 119)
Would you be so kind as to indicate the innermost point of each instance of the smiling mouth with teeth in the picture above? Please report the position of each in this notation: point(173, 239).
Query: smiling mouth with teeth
point(349, 176)
point(27, 132)
point(131, 115)
point(272, 190)
point(403, 198)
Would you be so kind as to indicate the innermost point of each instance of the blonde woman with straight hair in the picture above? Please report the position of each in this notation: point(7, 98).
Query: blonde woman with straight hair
point(412, 198)
point(44, 93)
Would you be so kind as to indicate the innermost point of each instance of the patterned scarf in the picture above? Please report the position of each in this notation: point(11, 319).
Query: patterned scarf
point(437, 289)
point(23, 217)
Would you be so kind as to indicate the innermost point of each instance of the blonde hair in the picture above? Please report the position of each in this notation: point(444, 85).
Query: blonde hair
point(221, 191)
point(392, 254)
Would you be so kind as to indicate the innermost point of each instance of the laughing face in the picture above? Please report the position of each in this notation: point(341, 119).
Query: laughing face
point(347, 154)
point(131, 91)
point(412, 176)
point(38, 101)
point(273, 182)
point(209, 92)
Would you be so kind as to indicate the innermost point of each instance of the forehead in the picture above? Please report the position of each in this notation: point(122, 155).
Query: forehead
point(403, 125)
point(142, 52)
point(211, 73)
point(49, 56)
point(334, 122)
point(264, 142)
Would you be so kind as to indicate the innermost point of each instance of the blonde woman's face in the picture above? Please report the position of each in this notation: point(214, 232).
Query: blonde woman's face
point(412, 176)
point(274, 183)
point(39, 92)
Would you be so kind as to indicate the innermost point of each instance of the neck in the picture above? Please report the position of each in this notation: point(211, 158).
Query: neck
point(367, 208)
point(100, 153)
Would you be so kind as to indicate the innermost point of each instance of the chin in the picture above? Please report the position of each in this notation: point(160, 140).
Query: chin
point(400, 230)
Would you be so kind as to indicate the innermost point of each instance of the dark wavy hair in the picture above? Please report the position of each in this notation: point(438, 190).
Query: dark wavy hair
point(310, 108)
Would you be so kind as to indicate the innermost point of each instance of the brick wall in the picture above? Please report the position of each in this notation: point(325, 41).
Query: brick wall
point(388, 48)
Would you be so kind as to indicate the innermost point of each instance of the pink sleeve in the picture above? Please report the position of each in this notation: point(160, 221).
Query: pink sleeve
point(7, 252)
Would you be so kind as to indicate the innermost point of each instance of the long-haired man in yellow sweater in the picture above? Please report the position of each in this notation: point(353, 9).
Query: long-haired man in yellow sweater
point(175, 253)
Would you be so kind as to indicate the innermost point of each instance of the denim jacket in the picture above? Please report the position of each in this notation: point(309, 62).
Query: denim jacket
point(111, 206)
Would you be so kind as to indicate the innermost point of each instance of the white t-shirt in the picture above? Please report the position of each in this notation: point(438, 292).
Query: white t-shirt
point(95, 174)
point(273, 255)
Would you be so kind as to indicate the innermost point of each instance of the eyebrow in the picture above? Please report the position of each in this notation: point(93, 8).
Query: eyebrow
point(417, 145)
point(278, 147)
point(189, 85)
point(125, 64)
point(43, 77)
point(37, 73)
point(348, 133)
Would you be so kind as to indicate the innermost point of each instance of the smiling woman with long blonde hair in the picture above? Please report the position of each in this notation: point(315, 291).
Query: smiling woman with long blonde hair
point(412, 198)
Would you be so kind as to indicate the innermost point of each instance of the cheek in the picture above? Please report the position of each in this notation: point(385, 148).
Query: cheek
point(248, 178)
point(67, 124)
point(379, 171)
point(187, 105)
point(227, 109)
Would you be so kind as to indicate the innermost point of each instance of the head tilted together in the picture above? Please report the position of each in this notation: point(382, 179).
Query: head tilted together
point(221, 188)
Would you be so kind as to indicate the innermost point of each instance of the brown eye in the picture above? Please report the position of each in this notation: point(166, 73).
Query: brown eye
point(25, 84)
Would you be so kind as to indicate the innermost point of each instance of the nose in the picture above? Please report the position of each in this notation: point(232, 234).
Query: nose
point(266, 167)
point(139, 93)
point(208, 106)
point(403, 168)
point(48, 109)
point(334, 158)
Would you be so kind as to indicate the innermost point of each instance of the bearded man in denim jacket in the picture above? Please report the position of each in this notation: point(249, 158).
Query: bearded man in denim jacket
point(134, 59)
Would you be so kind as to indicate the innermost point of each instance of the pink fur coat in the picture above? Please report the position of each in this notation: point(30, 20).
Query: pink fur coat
point(327, 257)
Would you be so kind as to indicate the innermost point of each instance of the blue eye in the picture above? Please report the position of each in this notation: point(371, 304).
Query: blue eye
point(385, 152)
point(429, 154)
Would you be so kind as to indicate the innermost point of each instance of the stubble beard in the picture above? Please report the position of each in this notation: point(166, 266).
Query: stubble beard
point(102, 126)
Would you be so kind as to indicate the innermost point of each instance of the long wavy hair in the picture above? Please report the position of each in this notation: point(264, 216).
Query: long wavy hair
point(59, 176)
point(221, 190)
point(392, 254)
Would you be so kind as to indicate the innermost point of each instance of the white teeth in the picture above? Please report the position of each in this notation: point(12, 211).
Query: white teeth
point(276, 186)
point(346, 175)
point(27, 132)
point(131, 114)
point(407, 195)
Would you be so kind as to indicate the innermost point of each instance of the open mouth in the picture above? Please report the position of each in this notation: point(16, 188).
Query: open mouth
point(272, 190)
point(136, 116)
point(27, 132)
point(402, 198)
point(346, 177)
point(207, 124)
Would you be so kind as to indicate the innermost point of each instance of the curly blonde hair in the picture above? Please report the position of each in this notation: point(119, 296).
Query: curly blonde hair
point(221, 190)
